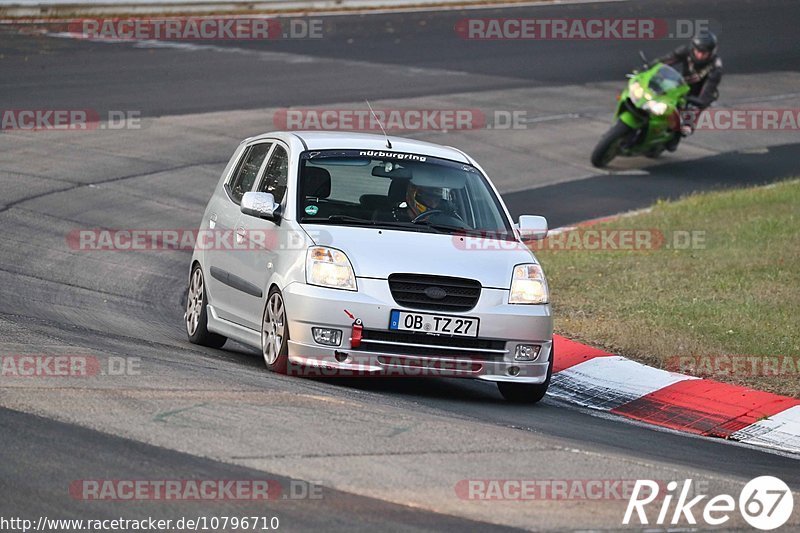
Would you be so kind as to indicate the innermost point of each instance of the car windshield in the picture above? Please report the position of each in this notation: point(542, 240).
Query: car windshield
point(397, 190)
point(665, 79)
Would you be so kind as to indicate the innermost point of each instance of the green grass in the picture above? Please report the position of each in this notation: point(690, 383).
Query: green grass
point(736, 294)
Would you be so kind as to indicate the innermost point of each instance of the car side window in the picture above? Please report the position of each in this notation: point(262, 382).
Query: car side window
point(276, 174)
point(246, 174)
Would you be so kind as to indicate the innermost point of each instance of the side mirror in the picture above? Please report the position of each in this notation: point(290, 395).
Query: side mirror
point(532, 227)
point(260, 204)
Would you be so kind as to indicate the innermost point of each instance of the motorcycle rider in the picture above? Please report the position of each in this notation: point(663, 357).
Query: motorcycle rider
point(701, 67)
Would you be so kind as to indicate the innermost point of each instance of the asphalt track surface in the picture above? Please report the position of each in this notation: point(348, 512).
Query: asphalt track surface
point(141, 315)
point(38, 487)
point(164, 82)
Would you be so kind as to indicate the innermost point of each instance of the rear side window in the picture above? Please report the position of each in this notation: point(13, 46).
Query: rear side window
point(246, 174)
point(276, 174)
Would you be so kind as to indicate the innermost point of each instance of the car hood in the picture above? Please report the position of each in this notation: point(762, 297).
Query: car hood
point(379, 252)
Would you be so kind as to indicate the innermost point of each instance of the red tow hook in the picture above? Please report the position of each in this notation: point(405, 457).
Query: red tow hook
point(355, 340)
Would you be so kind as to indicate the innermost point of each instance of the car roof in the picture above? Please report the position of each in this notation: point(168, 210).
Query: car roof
point(331, 140)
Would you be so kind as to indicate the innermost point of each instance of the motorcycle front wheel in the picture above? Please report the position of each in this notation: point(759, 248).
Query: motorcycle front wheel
point(609, 145)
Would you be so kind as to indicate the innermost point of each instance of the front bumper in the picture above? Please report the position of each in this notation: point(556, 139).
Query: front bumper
point(309, 306)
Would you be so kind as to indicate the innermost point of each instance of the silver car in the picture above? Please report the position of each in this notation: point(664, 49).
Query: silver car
point(355, 254)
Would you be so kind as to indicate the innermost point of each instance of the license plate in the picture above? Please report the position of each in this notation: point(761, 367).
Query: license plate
point(434, 324)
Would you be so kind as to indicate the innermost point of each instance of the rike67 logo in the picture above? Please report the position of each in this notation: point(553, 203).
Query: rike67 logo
point(765, 503)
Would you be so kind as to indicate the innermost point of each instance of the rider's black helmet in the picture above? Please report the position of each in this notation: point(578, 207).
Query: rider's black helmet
point(704, 47)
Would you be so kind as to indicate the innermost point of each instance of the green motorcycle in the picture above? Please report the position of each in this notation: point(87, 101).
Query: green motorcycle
point(647, 116)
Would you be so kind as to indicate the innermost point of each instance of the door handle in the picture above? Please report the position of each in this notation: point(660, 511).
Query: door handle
point(241, 234)
point(212, 221)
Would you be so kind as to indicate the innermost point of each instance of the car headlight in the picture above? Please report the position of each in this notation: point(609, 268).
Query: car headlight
point(329, 267)
point(655, 107)
point(636, 91)
point(528, 285)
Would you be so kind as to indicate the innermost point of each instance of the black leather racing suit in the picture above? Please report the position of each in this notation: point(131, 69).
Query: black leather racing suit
point(703, 80)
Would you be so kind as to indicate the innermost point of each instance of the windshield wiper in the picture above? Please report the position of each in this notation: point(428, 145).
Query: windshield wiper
point(345, 218)
point(414, 226)
point(357, 220)
point(443, 228)
point(447, 228)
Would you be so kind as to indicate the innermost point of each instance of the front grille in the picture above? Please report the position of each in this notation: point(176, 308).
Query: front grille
point(405, 343)
point(443, 293)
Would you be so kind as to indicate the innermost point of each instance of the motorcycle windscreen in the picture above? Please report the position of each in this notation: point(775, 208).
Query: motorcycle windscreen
point(665, 79)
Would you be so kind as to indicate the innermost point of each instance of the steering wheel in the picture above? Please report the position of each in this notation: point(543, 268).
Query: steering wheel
point(425, 215)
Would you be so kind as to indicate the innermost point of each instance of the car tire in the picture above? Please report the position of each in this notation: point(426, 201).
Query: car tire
point(275, 333)
point(526, 392)
point(196, 316)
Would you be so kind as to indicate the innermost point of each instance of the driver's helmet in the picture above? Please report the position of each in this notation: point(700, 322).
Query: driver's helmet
point(421, 199)
point(704, 48)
